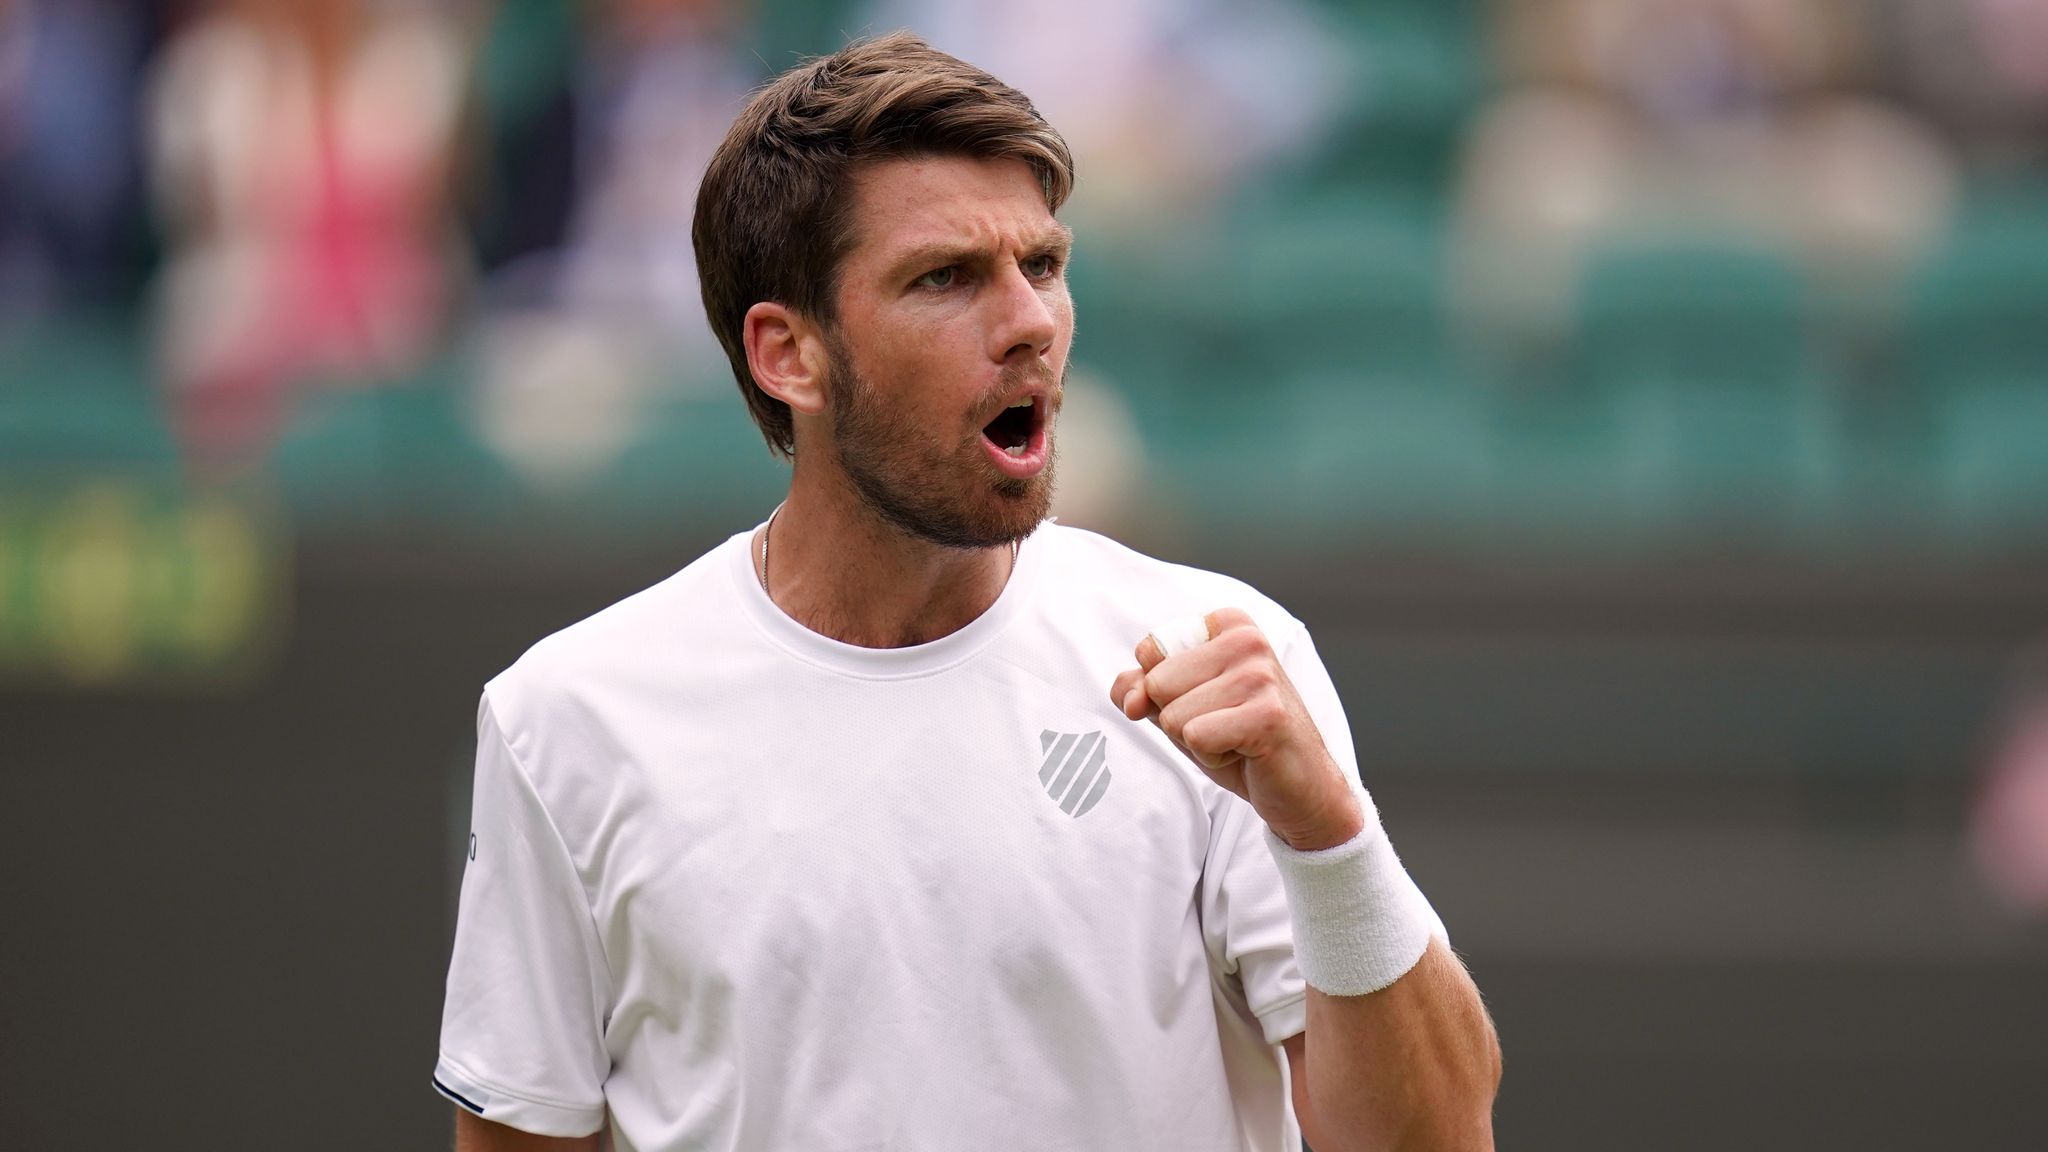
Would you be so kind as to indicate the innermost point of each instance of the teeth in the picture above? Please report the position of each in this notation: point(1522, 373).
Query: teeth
point(1017, 450)
point(1021, 404)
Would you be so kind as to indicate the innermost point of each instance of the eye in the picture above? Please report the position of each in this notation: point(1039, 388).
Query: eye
point(1040, 267)
point(936, 278)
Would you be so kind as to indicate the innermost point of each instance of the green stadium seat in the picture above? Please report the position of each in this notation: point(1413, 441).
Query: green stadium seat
point(527, 52)
point(402, 452)
point(700, 449)
point(1387, 455)
point(1419, 73)
point(784, 32)
point(1702, 350)
point(1977, 364)
point(1343, 286)
point(1242, 367)
point(78, 395)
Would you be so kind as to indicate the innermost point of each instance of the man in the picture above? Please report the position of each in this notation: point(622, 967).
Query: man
point(861, 831)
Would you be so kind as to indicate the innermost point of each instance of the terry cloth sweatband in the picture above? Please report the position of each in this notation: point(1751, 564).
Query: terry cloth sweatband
point(1359, 922)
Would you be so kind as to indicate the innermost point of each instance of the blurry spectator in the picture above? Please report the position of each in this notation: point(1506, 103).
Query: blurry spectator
point(664, 79)
point(527, 108)
point(1731, 116)
point(1165, 103)
point(2010, 836)
point(301, 150)
point(1981, 67)
point(613, 141)
point(70, 198)
point(1681, 61)
point(594, 295)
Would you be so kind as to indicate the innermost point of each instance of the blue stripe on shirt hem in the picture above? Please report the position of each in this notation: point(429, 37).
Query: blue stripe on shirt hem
point(452, 1094)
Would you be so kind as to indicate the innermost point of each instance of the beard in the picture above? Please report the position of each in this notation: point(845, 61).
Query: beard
point(948, 495)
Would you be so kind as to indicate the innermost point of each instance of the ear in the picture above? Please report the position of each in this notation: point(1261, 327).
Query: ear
point(786, 354)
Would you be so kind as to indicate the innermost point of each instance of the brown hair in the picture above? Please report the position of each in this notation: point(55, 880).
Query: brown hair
point(774, 213)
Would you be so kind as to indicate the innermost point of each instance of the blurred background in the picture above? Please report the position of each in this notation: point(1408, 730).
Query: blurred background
point(1644, 401)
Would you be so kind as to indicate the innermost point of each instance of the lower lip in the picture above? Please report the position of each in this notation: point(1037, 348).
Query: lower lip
point(1025, 464)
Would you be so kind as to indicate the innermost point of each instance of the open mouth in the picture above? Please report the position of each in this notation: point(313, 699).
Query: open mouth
point(1011, 431)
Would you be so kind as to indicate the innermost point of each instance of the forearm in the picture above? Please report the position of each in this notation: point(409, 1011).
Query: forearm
point(1412, 1066)
point(1400, 1054)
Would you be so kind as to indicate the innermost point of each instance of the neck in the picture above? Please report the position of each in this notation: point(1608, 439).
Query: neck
point(841, 571)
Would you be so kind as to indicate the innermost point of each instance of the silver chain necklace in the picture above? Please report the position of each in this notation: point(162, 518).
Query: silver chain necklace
point(768, 529)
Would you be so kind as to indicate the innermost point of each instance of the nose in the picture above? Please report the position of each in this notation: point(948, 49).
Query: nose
point(1026, 323)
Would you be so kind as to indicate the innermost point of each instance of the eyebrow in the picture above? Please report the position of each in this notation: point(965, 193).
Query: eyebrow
point(943, 253)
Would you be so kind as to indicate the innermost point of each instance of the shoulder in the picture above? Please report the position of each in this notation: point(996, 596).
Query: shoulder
point(1093, 574)
point(639, 640)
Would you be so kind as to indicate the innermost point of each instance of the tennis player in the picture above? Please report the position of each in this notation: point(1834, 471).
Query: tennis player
point(908, 820)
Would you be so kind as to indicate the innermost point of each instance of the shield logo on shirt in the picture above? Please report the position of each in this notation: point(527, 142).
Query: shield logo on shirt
point(1075, 772)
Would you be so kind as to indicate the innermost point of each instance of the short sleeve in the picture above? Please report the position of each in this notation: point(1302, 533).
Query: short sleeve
point(522, 1029)
point(1245, 921)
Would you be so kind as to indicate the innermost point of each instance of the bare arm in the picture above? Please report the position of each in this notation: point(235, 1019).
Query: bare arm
point(1414, 1065)
point(473, 1133)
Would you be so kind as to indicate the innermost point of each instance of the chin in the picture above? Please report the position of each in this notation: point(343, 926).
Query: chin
point(1022, 505)
point(999, 522)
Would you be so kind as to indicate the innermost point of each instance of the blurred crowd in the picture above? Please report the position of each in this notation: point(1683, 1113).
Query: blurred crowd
point(1844, 132)
point(314, 192)
point(304, 194)
point(324, 193)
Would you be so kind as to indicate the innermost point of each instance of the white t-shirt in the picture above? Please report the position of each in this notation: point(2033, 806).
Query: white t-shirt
point(739, 886)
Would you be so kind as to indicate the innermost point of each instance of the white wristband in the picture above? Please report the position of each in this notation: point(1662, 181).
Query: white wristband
point(1359, 922)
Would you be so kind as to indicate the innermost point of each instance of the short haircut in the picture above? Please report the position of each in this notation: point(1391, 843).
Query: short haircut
point(774, 213)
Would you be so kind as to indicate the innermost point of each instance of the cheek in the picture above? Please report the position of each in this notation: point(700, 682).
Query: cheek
point(929, 382)
point(902, 360)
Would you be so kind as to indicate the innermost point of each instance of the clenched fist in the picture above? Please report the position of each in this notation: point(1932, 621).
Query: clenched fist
point(1228, 704)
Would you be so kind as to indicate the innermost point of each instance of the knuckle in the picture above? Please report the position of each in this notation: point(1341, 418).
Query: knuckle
point(1247, 642)
point(1232, 617)
point(1254, 680)
point(1268, 712)
point(1173, 723)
